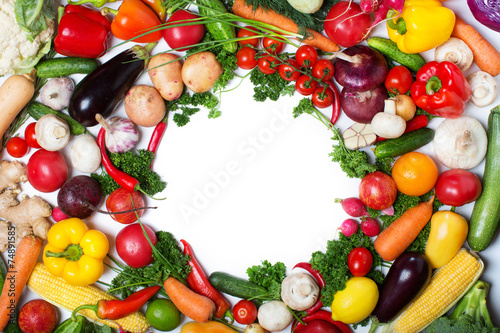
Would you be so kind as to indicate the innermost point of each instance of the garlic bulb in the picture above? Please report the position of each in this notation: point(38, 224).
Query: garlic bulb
point(460, 143)
point(121, 133)
point(359, 135)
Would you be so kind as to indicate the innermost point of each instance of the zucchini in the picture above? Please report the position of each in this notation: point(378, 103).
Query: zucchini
point(222, 31)
point(485, 218)
point(236, 286)
point(405, 143)
point(390, 49)
point(37, 110)
point(65, 66)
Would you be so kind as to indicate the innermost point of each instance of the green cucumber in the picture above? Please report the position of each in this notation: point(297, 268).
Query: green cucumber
point(236, 286)
point(72, 326)
point(218, 29)
point(57, 67)
point(390, 49)
point(405, 143)
point(37, 110)
point(485, 218)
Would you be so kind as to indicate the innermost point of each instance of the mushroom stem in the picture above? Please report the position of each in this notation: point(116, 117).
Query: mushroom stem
point(60, 132)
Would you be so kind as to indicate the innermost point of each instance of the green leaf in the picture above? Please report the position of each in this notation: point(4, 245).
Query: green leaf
point(32, 16)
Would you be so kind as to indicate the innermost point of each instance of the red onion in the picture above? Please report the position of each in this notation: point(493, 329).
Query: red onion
point(486, 12)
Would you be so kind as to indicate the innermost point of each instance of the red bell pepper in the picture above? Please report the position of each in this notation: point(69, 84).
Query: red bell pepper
point(82, 32)
point(441, 89)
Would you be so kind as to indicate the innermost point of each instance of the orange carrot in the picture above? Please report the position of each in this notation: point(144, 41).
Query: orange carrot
point(269, 16)
point(19, 270)
point(396, 238)
point(486, 57)
point(195, 306)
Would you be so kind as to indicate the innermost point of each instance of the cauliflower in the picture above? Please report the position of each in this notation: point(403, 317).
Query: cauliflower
point(19, 54)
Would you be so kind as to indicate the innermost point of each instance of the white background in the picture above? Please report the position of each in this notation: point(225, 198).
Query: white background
point(256, 184)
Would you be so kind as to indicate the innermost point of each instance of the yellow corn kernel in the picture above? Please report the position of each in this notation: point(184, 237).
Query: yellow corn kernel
point(446, 286)
point(60, 293)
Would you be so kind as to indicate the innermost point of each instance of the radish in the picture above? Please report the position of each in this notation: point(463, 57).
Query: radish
point(369, 6)
point(384, 9)
point(353, 207)
point(370, 226)
point(349, 227)
point(58, 215)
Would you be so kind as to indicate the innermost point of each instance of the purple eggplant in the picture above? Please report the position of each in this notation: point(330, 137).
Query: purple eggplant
point(102, 90)
point(409, 273)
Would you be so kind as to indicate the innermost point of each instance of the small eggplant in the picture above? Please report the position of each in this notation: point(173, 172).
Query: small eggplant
point(102, 90)
point(409, 273)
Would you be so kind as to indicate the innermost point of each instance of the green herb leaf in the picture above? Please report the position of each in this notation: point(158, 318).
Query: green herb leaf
point(268, 276)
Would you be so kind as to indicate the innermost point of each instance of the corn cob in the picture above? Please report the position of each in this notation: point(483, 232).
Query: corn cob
point(60, 293)
point(446, 287)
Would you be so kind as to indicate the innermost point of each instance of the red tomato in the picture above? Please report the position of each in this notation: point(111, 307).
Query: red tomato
point(133, 247)
point(360, 261)
point(378, 190)
point(30, 136)
point(398, 80)
point(46, 170)
point(323, 69)
point(183, 37)
point(245, 312)
point(245, 58)
point(346, 24)
point(268, 65)
point(121, 200)
point(458, 187)
point(272, 46)
point(322, 97)
point(305, 85)
point(319, 326)
point(306, 56)
point(289, 71)
point(17, 147)
point(248, 32)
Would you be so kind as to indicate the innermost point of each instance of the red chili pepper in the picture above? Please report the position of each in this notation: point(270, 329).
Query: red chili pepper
point(198, 281)
point(82, 32)
point(155, 139)
point(336, 103)
point(416, 123)
point(319, 279)
point(321, 315)
point(117, 308)
point(123, 179)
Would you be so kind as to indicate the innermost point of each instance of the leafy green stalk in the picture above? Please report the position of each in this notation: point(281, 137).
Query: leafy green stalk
point(268, 276)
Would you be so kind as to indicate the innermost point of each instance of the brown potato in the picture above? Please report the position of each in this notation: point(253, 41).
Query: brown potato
point(200, 71)
point(167, 79)
point(144, 105)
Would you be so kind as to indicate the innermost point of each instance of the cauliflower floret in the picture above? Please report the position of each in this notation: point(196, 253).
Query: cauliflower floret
point(15, 46)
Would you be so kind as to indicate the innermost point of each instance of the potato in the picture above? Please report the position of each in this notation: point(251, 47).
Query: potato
point(167, 79)
point(144, 105)
point(200, 71)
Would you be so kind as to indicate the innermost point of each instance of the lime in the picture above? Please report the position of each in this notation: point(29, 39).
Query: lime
point(163, 315)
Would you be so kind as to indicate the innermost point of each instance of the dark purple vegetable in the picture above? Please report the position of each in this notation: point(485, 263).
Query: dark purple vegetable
point(364, 69)
point(361, 106)
point(102, 90)
point(487, 12)
point(409, 273)
point(79, 196)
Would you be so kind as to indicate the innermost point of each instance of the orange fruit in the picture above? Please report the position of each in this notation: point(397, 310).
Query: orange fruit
point(414, 173)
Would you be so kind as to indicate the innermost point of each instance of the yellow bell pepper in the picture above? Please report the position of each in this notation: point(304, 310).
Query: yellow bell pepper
point(74, 252)
point(422, 25)
point(210, 327)
point(448, 233)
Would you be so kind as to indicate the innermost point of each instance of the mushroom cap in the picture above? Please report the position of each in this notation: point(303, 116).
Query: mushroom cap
point(299, 291)
point(484, 88)
point(52, 132)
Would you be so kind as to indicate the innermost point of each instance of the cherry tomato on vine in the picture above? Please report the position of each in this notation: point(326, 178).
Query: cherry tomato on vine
point(268, 65)
point(17, 147)
point(245, 58)
point(323, 69)
point(30, 136)
point(289, 70)
point(248, 32)
point(398, 80)
point(360, 261)
point(322, 97)
point(306, 56)
point(272, 46)
point(245, 312)
point(458, 187)
point(305, 85)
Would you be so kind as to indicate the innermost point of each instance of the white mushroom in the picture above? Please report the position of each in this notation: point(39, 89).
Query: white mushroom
point(52, 132)
point(484, 88)
point(456, 51)
point(57, 92)
point(274, 316)
point(85, 154)
point(306, 6)
point(460, 143)
point(388, 124)
point(299, 291)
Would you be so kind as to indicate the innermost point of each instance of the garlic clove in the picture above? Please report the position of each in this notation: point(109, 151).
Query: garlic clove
point(358, 136)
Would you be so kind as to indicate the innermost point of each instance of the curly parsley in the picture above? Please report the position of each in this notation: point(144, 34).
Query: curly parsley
point(268, 276)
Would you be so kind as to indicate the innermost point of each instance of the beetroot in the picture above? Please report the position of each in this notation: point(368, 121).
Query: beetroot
point(362, 106)
point(79, 196)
